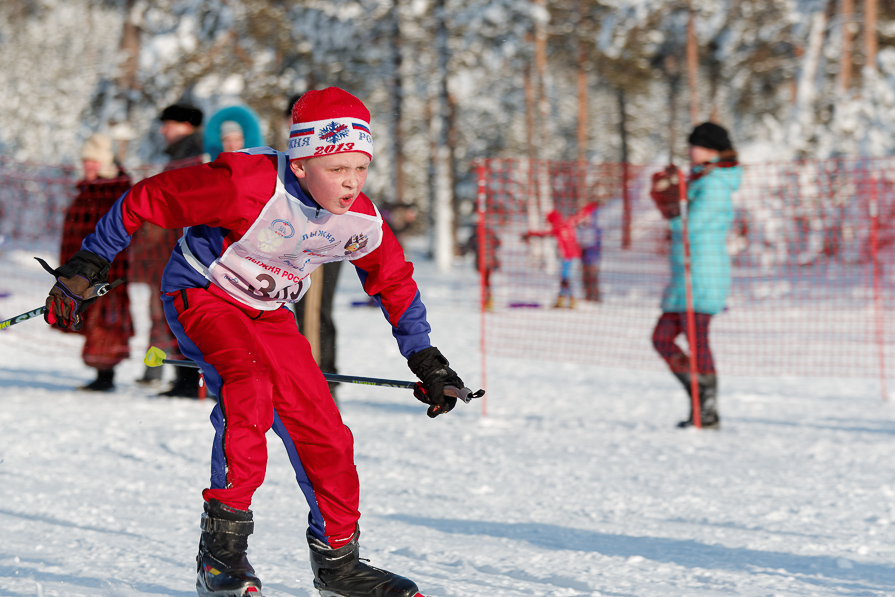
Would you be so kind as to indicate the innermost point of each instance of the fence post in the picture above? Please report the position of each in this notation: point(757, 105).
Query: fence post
point(626, 207)
point(691, 315)
point(877, 297)
point(481, 208)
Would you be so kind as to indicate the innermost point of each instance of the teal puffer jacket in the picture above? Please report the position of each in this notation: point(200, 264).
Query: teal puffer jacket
point(710, 218)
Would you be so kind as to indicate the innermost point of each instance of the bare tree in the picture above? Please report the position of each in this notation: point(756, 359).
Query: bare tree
point(443, 197)
point(847, 15)
point(692, 66)
point(398, 99)
point(127, 76)
point(870, 33)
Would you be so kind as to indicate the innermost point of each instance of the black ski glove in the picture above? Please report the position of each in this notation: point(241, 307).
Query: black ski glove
point(78, 284)
point(439, 385)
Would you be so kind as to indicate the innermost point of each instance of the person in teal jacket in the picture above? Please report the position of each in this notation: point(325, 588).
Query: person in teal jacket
point(230, 129)
point(714, 176)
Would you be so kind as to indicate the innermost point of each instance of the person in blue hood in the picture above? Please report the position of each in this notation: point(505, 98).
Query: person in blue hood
point(231, 129)
point(715, 174)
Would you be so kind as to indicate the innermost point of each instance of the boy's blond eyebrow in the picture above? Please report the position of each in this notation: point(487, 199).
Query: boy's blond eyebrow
point(344, 165)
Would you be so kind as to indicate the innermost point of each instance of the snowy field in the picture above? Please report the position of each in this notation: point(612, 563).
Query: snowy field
point(575, 482)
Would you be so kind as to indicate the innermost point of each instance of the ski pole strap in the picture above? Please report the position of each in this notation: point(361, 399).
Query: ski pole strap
point(47, 267)
point(102, 289)
point(99, 289)
point(466, 394)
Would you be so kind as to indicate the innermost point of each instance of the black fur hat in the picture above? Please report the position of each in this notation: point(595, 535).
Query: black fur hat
point(710, 136)
point(182, 113)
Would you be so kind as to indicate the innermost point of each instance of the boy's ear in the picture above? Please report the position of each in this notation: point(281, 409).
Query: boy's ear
point(298, 168)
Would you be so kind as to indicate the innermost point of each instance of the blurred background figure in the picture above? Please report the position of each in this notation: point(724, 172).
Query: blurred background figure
point(183, 136)
point(400, 217)
point(566, 235)
point(489, 262)
point(231, 129)
point(715, 174)
point(152, 245)
point(107, 326)
point(232, 138)
point(590, 237)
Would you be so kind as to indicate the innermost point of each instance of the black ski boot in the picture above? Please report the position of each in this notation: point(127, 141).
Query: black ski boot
point(222, 566)
point(340, 573)
point(104, 382)
point(708, 400)
point(186, 384)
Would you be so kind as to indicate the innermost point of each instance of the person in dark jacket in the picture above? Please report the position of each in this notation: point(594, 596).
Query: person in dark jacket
point(183, 136)
point(152, 245)
point(107, 327)
point(714, 176)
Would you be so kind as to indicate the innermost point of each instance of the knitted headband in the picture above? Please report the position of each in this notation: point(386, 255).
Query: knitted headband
point(329, 121)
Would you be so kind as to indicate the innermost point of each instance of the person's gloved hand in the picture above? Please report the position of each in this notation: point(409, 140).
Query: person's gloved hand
point(665, 191)
point(439, 385)
point(76, 288)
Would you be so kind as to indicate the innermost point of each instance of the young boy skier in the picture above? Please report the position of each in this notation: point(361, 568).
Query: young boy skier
point(259, 222)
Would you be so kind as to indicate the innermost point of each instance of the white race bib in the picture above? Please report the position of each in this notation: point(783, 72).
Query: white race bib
point(272, 263)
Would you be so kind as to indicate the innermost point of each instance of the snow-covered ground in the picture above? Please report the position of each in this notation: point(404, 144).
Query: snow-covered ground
point(575, 482)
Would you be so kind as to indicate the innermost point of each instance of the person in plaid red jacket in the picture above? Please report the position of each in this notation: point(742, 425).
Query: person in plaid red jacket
point(108, 327)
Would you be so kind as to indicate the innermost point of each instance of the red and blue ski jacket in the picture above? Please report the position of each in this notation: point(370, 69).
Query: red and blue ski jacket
point(219, 202)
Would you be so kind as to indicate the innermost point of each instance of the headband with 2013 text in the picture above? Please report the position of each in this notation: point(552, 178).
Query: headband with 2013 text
point(332, 135)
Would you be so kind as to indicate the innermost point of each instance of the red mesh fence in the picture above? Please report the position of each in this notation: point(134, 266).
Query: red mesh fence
point(34, 199)
point(811, 252)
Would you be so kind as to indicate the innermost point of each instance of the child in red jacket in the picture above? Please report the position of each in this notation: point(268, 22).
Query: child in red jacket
point(564, 230)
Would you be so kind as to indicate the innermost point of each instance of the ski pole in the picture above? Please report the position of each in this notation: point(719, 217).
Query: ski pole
point(100, 289)
point(156, 357)
point(691, 316)
point(23, 317)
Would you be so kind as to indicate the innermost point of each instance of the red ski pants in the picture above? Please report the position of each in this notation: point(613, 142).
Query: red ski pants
point(262, 371)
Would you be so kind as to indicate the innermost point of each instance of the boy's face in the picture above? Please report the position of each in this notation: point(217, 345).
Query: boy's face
point(333, 181)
